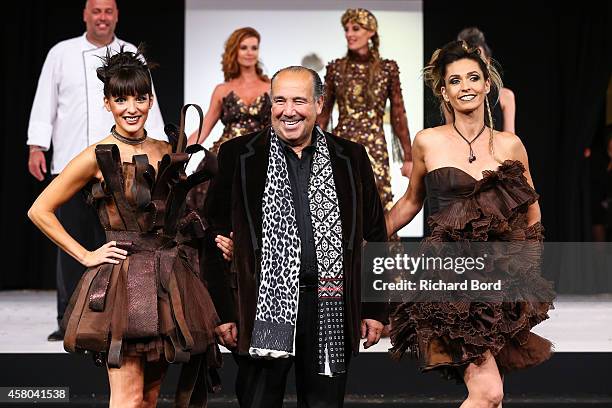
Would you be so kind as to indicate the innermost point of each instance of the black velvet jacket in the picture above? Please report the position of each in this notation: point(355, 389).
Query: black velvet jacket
point(234, 204)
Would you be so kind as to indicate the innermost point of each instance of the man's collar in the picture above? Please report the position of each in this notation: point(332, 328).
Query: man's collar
point(311, 146)
point(313, 140)
point(91, 46)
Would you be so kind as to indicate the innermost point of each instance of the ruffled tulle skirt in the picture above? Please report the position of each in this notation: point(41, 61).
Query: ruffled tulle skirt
point(448, 336)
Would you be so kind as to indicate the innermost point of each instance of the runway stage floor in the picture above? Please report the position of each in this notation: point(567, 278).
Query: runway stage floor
point(576, 376)
point(577, 324)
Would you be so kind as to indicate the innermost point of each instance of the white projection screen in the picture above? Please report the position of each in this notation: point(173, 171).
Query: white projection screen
point(291, 30)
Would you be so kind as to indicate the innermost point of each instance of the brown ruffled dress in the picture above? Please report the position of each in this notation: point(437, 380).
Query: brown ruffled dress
point(449, 336)
point(153, 303)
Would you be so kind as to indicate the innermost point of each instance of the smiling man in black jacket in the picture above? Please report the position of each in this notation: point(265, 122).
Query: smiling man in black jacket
point(300, 202)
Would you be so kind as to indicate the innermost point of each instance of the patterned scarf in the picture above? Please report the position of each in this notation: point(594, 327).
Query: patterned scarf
point(277, 302)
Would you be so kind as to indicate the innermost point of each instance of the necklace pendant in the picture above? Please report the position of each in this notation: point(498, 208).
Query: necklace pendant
point(472, 158)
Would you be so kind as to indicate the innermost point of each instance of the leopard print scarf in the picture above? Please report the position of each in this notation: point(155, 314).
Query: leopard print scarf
point(278, 295)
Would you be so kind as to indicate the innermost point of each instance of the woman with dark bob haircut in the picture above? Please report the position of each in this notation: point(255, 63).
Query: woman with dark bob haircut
point(139, 305)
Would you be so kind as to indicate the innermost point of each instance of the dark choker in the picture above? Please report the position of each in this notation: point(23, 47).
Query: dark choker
point(472, 156)
point(127, 140)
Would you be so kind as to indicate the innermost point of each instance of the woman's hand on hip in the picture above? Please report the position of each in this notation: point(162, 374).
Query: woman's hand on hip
point(107, 253)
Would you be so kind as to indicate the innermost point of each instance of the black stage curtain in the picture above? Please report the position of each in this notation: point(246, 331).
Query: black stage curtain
point(557, 59)
point(30, 29)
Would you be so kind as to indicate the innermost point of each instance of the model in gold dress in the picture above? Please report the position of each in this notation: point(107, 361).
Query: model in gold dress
point(361, 83)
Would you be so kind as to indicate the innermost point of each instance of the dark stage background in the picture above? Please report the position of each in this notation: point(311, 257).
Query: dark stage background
point(557, 61)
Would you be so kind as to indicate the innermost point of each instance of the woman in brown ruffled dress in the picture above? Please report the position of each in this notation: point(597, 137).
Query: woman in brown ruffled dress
point(140, 304)
point(479, 188)
point(242, 102)
point(361, 83)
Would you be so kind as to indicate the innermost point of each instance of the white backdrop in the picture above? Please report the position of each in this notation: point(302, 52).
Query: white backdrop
point(289, 31)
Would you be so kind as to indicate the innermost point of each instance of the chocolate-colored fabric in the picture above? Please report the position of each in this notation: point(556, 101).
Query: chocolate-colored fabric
point(153, 303)
point(239, 119)
point(234, 204)
point(450, 335)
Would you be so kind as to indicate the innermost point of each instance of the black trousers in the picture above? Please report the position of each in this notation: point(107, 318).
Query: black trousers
point(260, 383)
point(82, 223)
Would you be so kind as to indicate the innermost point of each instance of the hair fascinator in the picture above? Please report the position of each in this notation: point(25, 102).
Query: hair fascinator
point(360, 16)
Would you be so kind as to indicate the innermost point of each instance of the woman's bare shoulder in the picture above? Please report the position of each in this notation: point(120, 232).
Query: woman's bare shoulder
point(510, 146)
point(508, 140)
point(431, 135)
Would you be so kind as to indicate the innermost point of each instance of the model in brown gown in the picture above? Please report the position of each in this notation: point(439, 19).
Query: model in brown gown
point(241, 118)
point(244, 78)
point(361, 83)
point(140, 303)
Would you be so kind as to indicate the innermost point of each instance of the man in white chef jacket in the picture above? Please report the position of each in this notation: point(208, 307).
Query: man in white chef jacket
point(68, 112)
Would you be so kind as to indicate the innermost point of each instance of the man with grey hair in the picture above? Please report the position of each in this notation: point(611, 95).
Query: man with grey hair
point(300, 202)
point(68, 112)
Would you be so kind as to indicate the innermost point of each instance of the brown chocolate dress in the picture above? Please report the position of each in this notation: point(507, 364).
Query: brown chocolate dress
point(361, 113)
point(152, 304)
point(449, 336)
point(239, 119)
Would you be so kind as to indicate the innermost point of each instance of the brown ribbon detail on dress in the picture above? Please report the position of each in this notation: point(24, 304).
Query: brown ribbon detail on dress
point(101, 282)
point(142, 297)
point(119, 319)
point(71, 328)
point(142, 289)
point(99, 288)
point(182, 139)
point(144, 180)
point(183, 334)
point(109, 161)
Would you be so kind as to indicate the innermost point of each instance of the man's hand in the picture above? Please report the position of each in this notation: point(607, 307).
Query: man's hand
point(227, 333)
point(371, 330)
point(37, 163)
